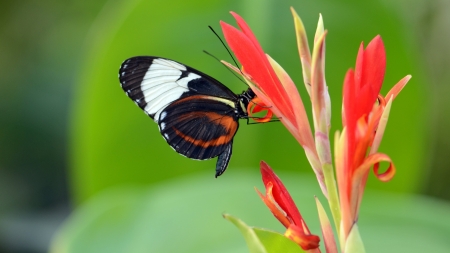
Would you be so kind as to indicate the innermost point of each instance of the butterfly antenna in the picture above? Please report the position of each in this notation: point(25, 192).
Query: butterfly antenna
point(223, 43)
point(206, 52)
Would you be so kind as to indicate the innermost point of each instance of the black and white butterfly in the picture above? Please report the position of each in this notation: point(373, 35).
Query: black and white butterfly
point(196, 114)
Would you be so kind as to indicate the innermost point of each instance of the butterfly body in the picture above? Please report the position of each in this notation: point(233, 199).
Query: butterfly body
point(196, 114)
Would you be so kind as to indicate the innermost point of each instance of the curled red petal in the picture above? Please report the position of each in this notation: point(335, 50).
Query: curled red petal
point(387, 175)
point(360, 175)
point(255, 106)
point(266, 118)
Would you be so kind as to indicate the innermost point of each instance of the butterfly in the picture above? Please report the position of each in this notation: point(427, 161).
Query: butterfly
point(196, 114)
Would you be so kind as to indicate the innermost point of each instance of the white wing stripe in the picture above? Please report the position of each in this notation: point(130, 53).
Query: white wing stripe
point(184, 81)
point(158, 81)
point(161, 85)
point(151, 94)
point(152, 73)
point(159, 104)
point(167, 64)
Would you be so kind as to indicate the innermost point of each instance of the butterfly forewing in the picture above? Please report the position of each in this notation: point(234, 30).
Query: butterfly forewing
point(153, 83)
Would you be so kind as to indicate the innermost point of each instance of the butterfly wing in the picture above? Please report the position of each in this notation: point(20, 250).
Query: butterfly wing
point(153, 83)
point(195, 113)
point(200, 127)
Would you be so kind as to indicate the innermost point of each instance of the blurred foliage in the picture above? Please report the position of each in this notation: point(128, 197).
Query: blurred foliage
point(54, 51)
point(115, 143)
point(40, 49)
point(40, 53)
point(184, 215)
point(434, 38)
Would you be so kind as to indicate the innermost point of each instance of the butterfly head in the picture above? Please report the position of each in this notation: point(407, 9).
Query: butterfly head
point(243, 101)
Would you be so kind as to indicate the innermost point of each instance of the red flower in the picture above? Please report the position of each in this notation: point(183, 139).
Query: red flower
point(268, 80)
point(365, 115)
point(273, 87)
point(363, 108)
point(284, 209)
point(361, 89)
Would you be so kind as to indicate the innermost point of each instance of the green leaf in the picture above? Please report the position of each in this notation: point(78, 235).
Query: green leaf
point(354, 243)
point(276, 242)
point(253, 242)
point(261, 240)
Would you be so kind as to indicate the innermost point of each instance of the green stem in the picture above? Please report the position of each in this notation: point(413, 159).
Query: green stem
point(324, 152)
point(333, 198)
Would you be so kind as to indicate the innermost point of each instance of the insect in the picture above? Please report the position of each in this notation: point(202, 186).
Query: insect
point(196, 114)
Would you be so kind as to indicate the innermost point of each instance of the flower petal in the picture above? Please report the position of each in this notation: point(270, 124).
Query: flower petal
point(249, 53)
point(369, 75)
point(359, 67)
point(398, 87)
point(306, 241)
point(374, 65)
point(301, 119)
point(280, 193)
point(360, 175)
point(327, 230)
point(303, 50)
point(318, 86)
point(353, 243)
point(257, 105)
point(319, 30)
point(344, 181)
point(248, 32)
point(273, 206)
point(381, 127)
point(349, 117)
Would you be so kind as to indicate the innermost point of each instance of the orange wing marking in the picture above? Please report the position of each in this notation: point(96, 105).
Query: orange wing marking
point(226, 121)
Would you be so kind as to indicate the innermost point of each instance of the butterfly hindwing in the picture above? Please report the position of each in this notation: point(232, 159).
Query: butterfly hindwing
point(198, 127)
point(224, 159)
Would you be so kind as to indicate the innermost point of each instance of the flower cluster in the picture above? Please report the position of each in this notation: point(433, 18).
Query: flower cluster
point(364, 116)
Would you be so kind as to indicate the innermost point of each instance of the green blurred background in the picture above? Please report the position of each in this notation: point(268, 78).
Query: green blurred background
point(80, 160)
